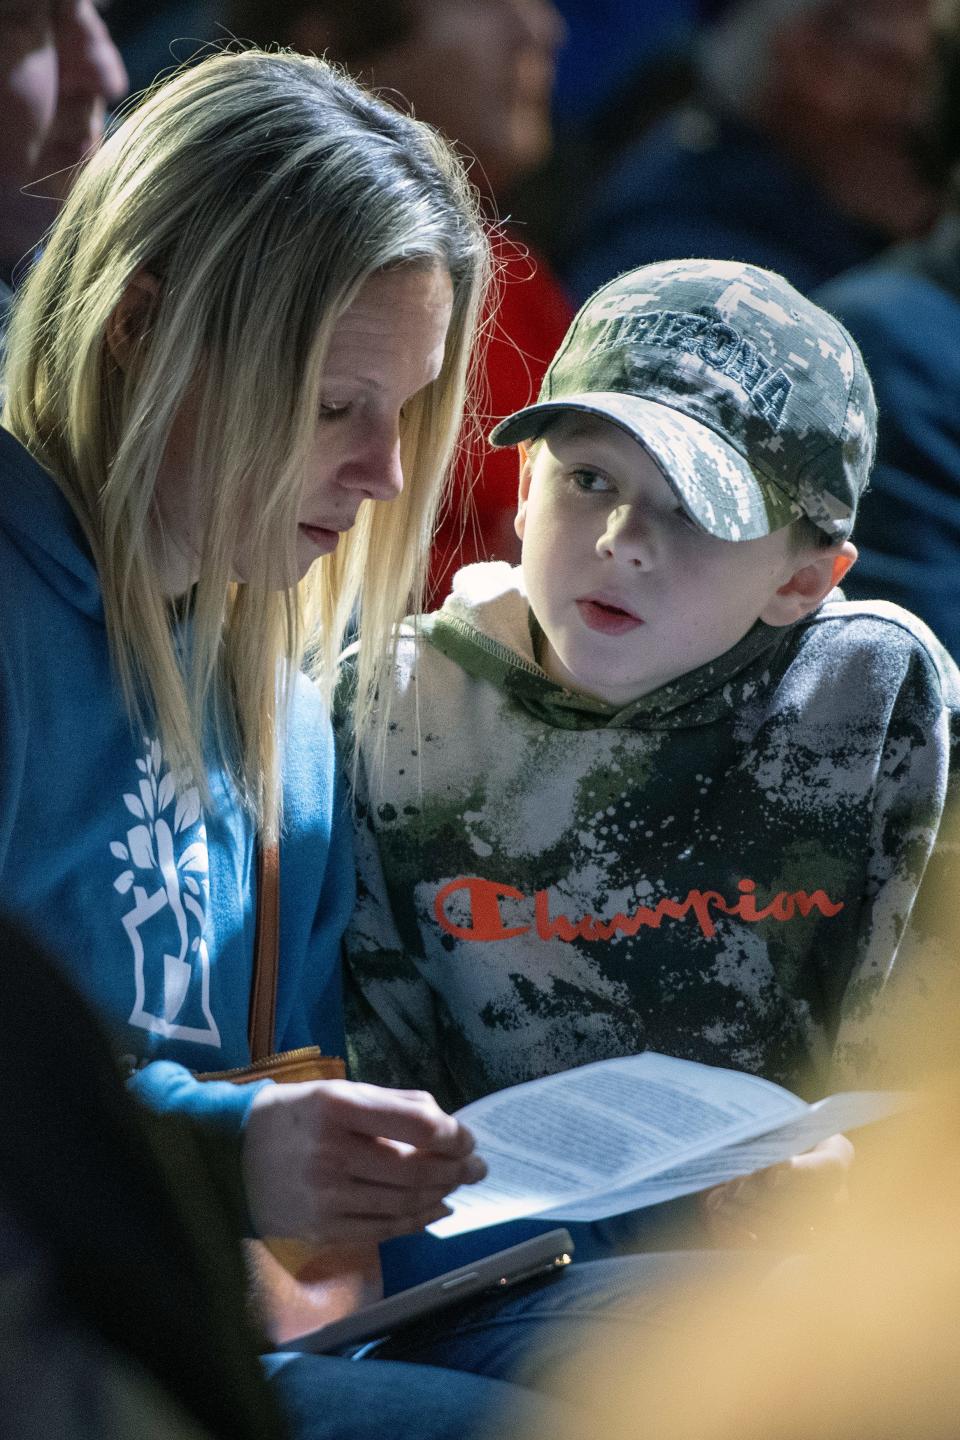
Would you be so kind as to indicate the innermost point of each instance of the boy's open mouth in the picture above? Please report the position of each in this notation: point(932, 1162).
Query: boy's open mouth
point(606, 617)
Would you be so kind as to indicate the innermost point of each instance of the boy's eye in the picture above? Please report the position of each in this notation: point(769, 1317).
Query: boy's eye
point(686, 519)
point(592, 482)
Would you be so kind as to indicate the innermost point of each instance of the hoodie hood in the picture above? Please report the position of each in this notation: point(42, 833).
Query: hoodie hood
point(39, 521)
point(487, 627)
point(6, 299)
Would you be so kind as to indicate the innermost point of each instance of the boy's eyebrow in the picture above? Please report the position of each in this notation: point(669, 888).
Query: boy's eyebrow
point(576, 425)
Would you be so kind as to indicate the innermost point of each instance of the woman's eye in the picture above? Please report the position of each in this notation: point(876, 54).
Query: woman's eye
point(591, 481)
point(331, 411)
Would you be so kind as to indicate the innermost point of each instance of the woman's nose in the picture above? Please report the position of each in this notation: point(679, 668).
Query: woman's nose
point(629, 537)
point(377, 473)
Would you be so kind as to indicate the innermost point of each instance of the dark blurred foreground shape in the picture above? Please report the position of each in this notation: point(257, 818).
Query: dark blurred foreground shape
point(122, 1283)
point(904, 309)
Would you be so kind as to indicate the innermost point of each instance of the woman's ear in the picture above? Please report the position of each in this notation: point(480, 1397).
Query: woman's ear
point(523, 492)
point(129, 323)
point(811, 582)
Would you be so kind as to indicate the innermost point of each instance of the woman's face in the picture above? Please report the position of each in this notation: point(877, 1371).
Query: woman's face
point(385, 347)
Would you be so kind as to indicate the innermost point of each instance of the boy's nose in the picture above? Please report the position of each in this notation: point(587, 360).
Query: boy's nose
point(629, 537)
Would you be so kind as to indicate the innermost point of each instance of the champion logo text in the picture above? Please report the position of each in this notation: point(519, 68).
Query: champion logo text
point(486, 922)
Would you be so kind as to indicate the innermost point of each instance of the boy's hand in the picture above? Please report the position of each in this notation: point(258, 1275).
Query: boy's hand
point(783, 1205)
point(331, 1160)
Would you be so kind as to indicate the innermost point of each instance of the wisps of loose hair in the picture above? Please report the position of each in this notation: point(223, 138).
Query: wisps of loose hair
point(261, 190)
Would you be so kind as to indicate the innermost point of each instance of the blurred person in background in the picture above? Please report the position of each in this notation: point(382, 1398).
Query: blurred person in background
point(59, 73)
point(904, 309)
point(607, 41)
point(625, 63)
point(797, 153)
point(481, 71)
point(154, 38)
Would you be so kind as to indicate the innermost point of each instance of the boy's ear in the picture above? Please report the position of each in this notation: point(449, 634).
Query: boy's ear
point(130, 321)
point(810, 583)
point(523, 492)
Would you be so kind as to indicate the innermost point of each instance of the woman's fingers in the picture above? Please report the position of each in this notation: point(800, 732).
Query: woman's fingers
point(348, 1229)
point(360, 1199)
point(387, 1163)
point(332, 1160)
point(411, 1116)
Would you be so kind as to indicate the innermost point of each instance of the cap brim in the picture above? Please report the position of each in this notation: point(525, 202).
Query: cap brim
point(711, 479)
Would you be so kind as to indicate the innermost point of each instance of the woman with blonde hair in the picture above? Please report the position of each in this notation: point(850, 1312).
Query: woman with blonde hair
point(235, 380)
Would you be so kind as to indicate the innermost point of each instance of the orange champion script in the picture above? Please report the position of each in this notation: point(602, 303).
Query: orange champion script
point(487, 922)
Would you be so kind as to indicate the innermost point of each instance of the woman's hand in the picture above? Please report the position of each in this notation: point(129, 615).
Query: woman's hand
point(783, 1205)
point(331, 1161)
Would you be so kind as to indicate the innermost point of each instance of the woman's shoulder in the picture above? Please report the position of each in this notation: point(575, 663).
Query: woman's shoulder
point(45, 559)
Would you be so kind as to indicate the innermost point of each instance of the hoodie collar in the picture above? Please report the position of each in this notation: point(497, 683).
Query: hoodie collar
point(487, 627)
point(40, 521)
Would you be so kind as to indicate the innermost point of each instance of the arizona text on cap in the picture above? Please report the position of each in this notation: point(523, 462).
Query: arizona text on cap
point(754, 402)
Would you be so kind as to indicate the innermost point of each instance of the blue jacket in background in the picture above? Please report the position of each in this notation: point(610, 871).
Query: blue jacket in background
point(699, 183)
point(904, 310)
point(143, 893)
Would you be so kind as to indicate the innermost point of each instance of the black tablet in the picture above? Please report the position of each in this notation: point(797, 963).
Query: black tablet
point(544, 1255)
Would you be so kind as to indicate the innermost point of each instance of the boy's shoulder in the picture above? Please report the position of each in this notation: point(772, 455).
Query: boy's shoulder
point(487, 599)
point(487, 609)
point(883, 634)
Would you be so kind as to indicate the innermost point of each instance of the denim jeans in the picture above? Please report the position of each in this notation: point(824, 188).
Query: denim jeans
point(480, 1369)
point(324, 1397)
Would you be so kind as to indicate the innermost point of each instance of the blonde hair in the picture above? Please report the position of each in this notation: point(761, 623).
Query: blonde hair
point(261, 190)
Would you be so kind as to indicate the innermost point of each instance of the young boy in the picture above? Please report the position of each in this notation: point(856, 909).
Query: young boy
point(662, 786)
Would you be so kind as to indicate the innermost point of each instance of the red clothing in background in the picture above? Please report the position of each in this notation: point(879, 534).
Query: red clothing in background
point(530, 323)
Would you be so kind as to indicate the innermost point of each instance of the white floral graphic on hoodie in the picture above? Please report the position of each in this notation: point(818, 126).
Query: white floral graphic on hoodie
point(160, 879)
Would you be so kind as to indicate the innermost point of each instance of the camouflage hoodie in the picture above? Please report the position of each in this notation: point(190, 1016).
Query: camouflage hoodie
point(720, 870)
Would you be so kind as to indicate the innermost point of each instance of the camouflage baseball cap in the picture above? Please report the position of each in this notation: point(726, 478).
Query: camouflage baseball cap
point(754, 402)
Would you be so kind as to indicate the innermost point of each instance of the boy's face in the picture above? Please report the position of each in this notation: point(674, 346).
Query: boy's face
point(629, 593)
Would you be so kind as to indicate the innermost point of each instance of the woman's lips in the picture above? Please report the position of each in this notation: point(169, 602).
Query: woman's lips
point(606, 618)
point(322, 539)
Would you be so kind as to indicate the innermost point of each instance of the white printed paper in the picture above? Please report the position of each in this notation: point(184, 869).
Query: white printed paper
point(621, 1134)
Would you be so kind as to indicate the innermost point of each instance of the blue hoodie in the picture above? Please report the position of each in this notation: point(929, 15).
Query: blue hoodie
point(145, 895)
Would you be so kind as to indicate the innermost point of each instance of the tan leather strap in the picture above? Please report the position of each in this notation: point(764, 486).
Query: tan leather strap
point(266, 954)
